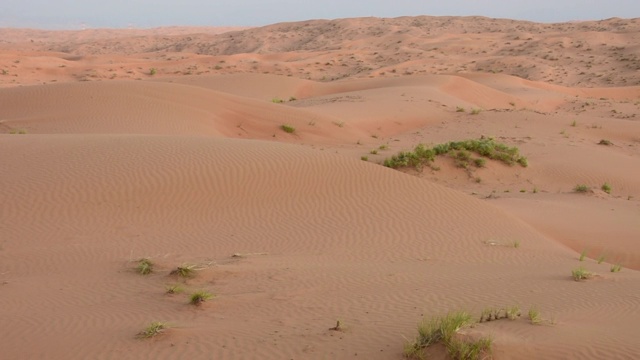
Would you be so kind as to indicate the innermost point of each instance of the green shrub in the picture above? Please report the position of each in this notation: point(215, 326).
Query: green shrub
point(155, 328)
point(616, 268)
point(153, 71)
point(581, 274)
point(184, 270)
point(439, 330)
point(199, 297)
point(460, 151)
point(145, 266)
point(288, 129)
point(606, 188)
point(581, 188)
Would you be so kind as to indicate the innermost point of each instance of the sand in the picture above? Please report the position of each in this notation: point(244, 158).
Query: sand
point(106, 162)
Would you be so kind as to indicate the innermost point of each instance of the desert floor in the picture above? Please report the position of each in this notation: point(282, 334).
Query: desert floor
point(168, 144)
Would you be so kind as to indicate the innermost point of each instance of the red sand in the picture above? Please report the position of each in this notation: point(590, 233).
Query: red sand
point(190, 165)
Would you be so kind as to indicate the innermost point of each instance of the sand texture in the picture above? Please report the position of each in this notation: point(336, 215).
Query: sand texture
point(168, 144)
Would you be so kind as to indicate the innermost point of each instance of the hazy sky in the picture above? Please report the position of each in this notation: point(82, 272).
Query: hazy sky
point(150, 13)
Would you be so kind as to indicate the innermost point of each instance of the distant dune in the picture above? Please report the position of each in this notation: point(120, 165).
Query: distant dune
point(255, 156)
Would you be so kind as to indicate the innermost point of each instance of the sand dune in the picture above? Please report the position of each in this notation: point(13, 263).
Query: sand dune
point(294, 231)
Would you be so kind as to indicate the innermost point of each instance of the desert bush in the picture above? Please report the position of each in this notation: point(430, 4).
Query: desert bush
point(288, 129)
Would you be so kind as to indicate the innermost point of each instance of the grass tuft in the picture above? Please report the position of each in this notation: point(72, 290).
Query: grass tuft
point(534, 316)
point(605, 142)
point(288, 129)
point(145, 266)
point(601, 259)
point(581, 188)
point(583, 255)
point(581, 274)
point(616, 268)
point(438, 329)
point(154, 329)
point(470, 350)
point(606, 188)
point(174, 289)
point(512, 312)
point(184, 270)
point(199, 297)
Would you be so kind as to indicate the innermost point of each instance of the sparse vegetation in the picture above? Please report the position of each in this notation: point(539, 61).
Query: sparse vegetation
point(145, 266)
point(174, 289)
point(605, 142)
point(18, 131)
point(292, 98)
point(574, 123)
point(513, 312)
point(373, 152)
point(581, 188)
point(460, 109)
point(364, 158)
point(516, 244)
point(606, 188)
point(534, 316)
point(199, 297)
point(383, 147)
point(277, 100)
point(581, 274)
point(460, 151)
point(616, 268)
point(288, 129)
point(601, 259)
point(153, 71)
point(184, 270)
point(583, 255)
point(437, 329)
point(475, 111)
point(154, 329)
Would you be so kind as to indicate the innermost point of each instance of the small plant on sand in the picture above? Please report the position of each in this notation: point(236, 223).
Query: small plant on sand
point(601, 259)
point(606, 188)
point(153, 71)
point(174, 289)
point(479, 162)
point(383, 147)
point(513, 312)
point(288, 129)
point(292, 98)
point(534, 316)
point(374, 152)
point(470, 350)
point(583, 255)
point(338, 326)
point(516, 244)
point(605, 142)
point(475, 111)
point(18, 131)
point(277, 100)
point(145, 266)
point(581, 188)
point(616, 268)
point(581, 274)
point(364, 158)
point(574, 123)
point(199, 297)
point(444, 330)
point(155, 328)
point(184, 270)
point(460, 109)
